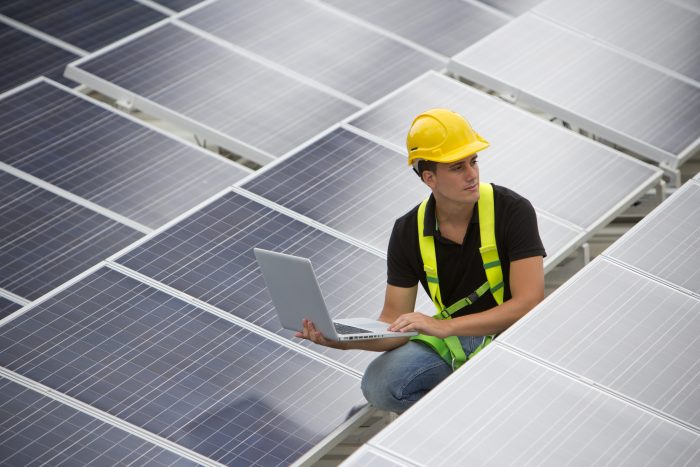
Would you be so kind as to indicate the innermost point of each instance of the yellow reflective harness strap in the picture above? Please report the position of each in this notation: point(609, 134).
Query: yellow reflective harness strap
point(450, 348)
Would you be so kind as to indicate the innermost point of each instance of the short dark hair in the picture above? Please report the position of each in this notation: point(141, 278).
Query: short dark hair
point(424, 165)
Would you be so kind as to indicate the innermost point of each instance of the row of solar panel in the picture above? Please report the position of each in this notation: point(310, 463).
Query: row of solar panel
point(206, 255)
point(56, 144)
point(604, 372)
point(188, 259)
point(285, 54)
point(211, 48)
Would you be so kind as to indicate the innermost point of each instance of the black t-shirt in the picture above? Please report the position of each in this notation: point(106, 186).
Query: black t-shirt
point(460, 267)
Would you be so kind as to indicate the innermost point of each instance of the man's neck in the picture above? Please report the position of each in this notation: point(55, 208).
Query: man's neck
point(454, 214)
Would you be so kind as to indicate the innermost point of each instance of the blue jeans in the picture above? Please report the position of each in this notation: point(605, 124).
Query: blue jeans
point(395, 380)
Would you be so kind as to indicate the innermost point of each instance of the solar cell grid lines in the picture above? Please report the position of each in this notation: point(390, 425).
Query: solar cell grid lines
point(623, 331)
point(8, 307)
point(347, 182)
point(88, 24)
point(248, 107)
point(561, 173)
point(37, 430)
point(177, 371)
point(25, 57)
point(106, 158)
point(47, 239)
point(619, 98)
point(209, 255)
point(316, 42)
point(673, 43)
point(513, 411)
point(666, 244)
point(444, 26)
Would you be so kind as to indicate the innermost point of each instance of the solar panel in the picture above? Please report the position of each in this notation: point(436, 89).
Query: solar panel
point(359, 187)
point(7, 307)
point(512, 7)
point(25, 57)
point(177, 371)
point(88, 24)
point(232, 100)
point(352, 58)
point(601, 90)
point(510, 411)
point(37, 430)
point(47, 239)
point(666, 243)
point(445, 27)
point(209, 255)
point(102, 156)
point(623, 331)
point(673, 43)
point(561, 173)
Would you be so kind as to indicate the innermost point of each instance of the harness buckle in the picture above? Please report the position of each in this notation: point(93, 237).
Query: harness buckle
point(444, 313)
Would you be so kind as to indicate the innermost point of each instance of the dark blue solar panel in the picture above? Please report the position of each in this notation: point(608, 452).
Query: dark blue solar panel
point(209, 256)
point(221, 89)
point(46, 239)
point(316, 42)
point(106, 158)
point(25, 57)
point(37, 430)
point(7, 307)
point(347, 182)
point(178, 371)
point(88, 24)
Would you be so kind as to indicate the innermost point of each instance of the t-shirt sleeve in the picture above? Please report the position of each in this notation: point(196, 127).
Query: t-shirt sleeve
point(523, 234)
point(401, 270)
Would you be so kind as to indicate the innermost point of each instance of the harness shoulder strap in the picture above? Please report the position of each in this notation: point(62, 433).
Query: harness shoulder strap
point(450, 349)
point(488, 250)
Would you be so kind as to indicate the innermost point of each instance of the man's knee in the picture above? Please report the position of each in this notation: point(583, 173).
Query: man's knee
point(397, 379)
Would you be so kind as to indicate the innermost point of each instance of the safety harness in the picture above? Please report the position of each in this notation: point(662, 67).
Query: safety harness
point(449, 348)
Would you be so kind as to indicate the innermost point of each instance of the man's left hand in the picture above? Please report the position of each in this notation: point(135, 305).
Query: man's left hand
point(422, 323)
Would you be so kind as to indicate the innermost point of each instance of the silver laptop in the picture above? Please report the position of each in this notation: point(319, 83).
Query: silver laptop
point(296, 295)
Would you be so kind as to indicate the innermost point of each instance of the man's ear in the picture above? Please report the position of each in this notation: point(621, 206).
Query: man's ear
point(428, 178)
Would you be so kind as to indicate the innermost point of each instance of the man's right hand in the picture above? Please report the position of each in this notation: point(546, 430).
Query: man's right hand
point(310, 332)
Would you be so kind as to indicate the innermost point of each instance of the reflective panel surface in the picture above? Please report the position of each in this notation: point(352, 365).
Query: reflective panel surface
point(47, 239)
point(105, 158)
point(624, 332)
point(514, 412)
point(178, 371)
point(661, 32)
point(632, 102)
point(220, 89)
point(318, 43)
point(37, 430)
point(88, 24)
point(25, 57)
point(209, 255)
point(666, 244)
point(444, 26)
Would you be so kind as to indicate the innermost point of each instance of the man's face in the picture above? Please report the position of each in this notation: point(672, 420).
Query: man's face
point(457, 181)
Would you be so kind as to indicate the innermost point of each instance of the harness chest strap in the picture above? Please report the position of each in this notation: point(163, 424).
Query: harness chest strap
point(450, 349)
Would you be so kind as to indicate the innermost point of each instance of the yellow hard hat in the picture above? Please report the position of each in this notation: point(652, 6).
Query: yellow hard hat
point(442, 135)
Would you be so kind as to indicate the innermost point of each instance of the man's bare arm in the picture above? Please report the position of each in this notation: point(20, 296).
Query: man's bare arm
point(527, 290)
point(397, 301)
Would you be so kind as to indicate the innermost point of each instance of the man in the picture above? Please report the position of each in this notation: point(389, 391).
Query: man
point(438, 244)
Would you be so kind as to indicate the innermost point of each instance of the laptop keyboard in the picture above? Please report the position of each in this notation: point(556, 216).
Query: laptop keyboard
point(345, 329)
